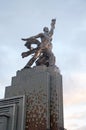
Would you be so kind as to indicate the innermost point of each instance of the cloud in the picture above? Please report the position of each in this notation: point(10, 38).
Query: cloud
point(74, 126)
point(71, 126)
point(75, 120)
point(76, 97)
point(74, 100)
point(77, 115)
point(74, 89)
point(81, 128)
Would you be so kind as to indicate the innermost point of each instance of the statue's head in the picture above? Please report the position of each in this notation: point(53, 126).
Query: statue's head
point(45, 29)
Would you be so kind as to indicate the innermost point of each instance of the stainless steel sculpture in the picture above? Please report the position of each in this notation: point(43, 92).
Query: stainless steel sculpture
point(43, 54)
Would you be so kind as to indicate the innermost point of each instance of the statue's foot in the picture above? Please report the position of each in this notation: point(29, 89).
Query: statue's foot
point(26, 67)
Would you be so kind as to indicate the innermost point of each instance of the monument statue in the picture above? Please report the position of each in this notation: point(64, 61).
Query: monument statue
point(43, 54)
point(34, 100)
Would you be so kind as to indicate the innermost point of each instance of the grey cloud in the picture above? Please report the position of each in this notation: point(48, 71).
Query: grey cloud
point(77, 115)
point(74, 89)
point(81, 128)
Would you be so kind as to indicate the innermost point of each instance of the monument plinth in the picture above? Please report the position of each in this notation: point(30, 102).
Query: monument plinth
point(42, 87)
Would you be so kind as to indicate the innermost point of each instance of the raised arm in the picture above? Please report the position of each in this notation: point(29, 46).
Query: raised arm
point(53, 21)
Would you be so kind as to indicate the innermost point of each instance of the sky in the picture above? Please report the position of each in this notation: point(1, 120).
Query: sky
point(25, 18)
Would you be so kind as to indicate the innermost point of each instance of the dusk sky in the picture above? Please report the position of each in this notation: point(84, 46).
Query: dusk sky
point(25, 18)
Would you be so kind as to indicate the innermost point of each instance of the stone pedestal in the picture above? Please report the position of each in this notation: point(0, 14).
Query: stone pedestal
point(43, 103)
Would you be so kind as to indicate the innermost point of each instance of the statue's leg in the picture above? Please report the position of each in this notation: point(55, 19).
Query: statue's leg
point(25, 54)
point(51, 59)
point(32, 60)
point(40, 60)
point(43, 59)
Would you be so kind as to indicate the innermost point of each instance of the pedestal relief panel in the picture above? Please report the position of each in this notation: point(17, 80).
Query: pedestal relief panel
point(12, 113)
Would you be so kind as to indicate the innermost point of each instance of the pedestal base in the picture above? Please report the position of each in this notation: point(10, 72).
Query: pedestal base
point(42, 87)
